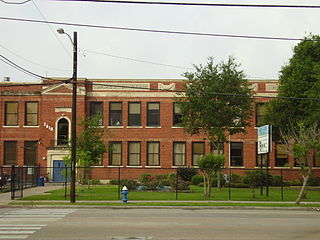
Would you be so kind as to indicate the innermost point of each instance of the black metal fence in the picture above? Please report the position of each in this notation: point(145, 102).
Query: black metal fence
point(15, 179)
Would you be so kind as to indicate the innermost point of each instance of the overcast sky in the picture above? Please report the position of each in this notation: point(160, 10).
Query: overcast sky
point(106, 53)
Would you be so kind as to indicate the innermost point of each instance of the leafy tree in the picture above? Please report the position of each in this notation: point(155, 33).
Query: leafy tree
point(209, 165)
point(217, 101)
point(300, 78)
point(303, 142)
point(90, 147)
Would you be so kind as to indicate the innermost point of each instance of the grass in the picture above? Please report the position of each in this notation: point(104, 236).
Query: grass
point(110, 192)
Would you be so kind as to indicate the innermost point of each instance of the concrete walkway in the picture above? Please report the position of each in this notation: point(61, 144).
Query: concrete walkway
point(5, 198)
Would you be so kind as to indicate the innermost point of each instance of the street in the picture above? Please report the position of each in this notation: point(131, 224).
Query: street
point(152, 224)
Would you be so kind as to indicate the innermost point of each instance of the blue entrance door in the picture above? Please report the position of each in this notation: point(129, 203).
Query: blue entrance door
point(59, 171)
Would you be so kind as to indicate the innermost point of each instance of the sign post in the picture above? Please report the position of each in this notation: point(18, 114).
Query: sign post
point(264, 141)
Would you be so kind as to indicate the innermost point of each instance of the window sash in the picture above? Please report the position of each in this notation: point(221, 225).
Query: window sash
point(11, 113)
point(153, 114)
point(30, 152)
point(198, 150)
point(95, 109)
point(10, 152)
point(281, 155)
point(134, 114)
point(115, 154)
point(260, 113)
point(236, 154)
point(115, 118)
point(134, 153)
point(179, 154)
point(177, 115)
point(31, 114)
point(153, 154)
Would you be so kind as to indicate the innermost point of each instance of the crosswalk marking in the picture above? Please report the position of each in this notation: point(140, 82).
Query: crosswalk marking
point(13, 226)
point(14, 237)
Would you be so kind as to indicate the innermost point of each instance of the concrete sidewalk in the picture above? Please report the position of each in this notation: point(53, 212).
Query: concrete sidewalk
point(5, 198)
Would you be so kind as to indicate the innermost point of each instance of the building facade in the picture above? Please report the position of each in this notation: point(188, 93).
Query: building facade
point(141, 117)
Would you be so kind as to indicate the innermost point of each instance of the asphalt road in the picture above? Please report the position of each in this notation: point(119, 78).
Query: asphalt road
point(162, 224)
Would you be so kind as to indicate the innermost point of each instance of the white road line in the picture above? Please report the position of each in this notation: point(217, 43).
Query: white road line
point(29, 219)
point(23, 225)
point(17, 232)
point(20, 228)
point(14, 236)
point(33, 216)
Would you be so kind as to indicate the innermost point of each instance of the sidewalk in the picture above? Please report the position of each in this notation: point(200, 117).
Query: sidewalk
point(5, 198)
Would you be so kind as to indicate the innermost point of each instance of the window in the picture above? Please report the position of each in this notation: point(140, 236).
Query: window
point(153, 154)
point(179, 154)
point(198, 150)
point(115, 114)
point(281, 155)
point(260, 112)
point(31, 117)
point(30, 153)
point(10, 152)
point(316, 161)
point(11, 114)
point(260, 158)
point(134, 154)
point(236, 154)
point(96, 108)
point(215, 147)
point(134, 114)
point(63, 132)
point(115, 154)
point(177, 115)
point(153, 114)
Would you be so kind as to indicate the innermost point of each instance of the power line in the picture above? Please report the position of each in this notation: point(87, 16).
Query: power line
point(136, 60)
point(27, 60)
point(155, 30)
point(53, 31)
point(197, 4)
point(16, 66)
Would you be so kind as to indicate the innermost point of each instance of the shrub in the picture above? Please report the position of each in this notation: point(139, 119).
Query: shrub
point(186, 173)
point(236, 178)
point(196, 179)
point(182, 185)
point(130, 184)
point(150, 182)
point(215, 181)
point(172, 177)
point(276, 180)
point(314, 181)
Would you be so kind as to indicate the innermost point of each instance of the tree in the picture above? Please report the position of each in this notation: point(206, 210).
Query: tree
point(90, 146)
point(300, 78)
point(303, 142)
point(253, 179)
point(217, 101)
point(209, 165)
point(295, 119)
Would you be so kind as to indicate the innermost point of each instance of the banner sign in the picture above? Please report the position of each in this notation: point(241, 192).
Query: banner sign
point(264, 139)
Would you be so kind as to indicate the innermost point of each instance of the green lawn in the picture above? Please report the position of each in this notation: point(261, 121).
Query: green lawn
point(110, 192)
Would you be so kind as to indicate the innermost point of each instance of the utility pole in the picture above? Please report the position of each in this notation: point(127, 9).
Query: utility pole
point(74, 122)
point(74, 115)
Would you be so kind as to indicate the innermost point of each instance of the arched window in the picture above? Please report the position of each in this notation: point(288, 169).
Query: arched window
point(63, 132)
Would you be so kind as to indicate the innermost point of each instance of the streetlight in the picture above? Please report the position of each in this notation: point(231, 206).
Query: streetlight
point(74, 116)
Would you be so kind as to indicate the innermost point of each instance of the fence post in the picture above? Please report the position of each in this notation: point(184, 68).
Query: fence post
point(230, 181)
point(281, 182)
point(13, 182)
point(66, 182)
point(119, 183)
point(177, 184)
